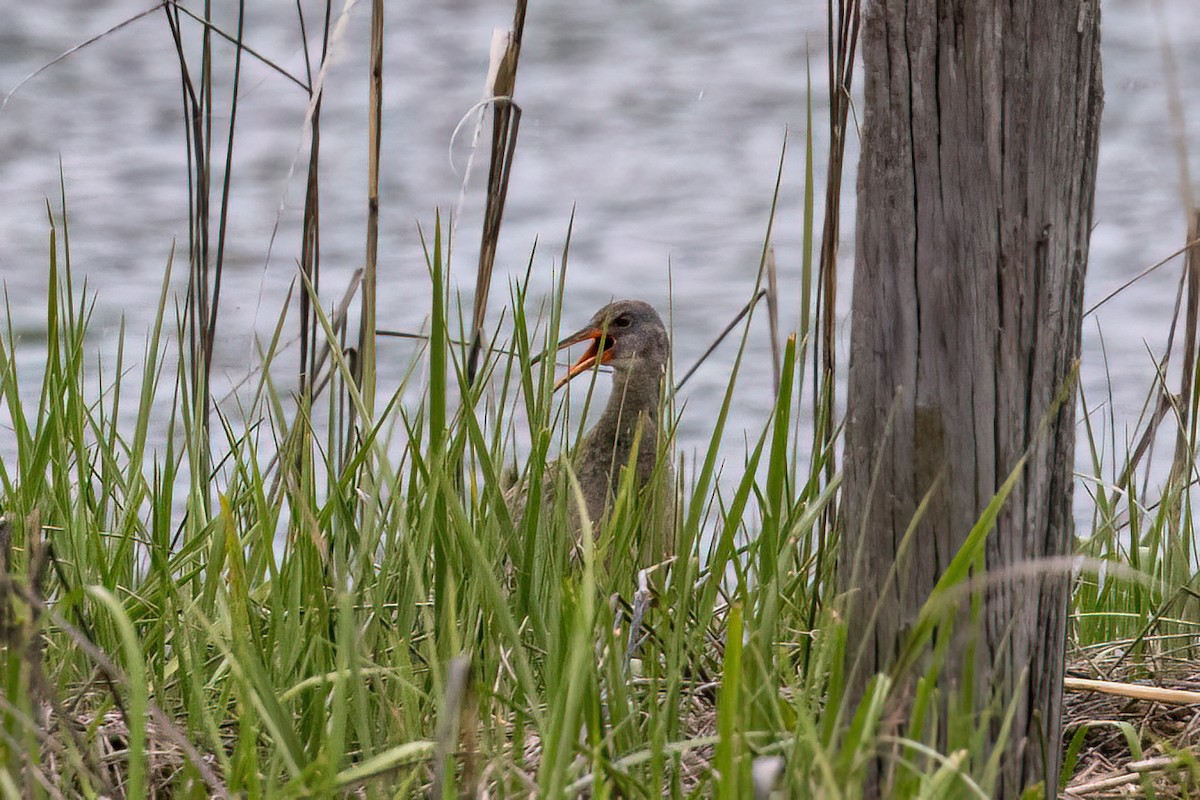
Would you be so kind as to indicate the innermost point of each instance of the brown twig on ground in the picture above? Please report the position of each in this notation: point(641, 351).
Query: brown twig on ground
point(167, 729)
point(1156, 694)
point(1135, 771)
point(1164, 715)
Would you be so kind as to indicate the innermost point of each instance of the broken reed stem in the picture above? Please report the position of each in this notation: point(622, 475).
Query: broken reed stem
point(1189, 281)
point(425, 337)
point(506, 119)
point(1143, 445)
point(1176, 110)
point(721, 337)
point(236, 41)
point(366, 337)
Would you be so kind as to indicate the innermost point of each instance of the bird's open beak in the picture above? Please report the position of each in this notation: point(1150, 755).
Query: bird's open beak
point(600, 351)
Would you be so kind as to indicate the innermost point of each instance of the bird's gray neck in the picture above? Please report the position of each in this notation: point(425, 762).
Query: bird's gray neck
point(608, 446)
point(636, 392)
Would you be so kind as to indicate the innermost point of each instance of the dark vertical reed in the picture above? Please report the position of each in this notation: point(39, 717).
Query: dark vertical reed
point(843, 26)
point(310, 247)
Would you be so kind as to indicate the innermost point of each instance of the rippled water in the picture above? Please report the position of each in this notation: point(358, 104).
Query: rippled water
point(660, 122)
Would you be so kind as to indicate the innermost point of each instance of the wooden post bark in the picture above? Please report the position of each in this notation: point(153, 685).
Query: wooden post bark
point(979, 147)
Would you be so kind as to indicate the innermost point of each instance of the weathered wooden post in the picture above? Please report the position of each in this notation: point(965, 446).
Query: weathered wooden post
point(979, 146)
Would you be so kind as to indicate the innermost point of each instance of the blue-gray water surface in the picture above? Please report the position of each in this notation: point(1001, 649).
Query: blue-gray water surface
point(660, 123)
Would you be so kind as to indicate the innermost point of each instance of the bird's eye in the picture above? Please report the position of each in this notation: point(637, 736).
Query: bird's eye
point(621, 322)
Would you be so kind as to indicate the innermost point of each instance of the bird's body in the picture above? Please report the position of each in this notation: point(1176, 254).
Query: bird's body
point(628, 336)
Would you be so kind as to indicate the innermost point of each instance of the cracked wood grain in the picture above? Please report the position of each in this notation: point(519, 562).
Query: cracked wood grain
point(975, 194)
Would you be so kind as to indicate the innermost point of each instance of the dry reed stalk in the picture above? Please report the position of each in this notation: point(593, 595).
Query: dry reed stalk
point(1176, 110)
point(843, 27)
point(365, 372)
point(766, 270)
point(1144, 444)
point(425, 337)
point(506, 119)
point(1155, 694)
point(843, 42)
point(1184, 442)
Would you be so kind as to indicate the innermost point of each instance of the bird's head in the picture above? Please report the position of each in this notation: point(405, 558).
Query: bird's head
point(624, 334)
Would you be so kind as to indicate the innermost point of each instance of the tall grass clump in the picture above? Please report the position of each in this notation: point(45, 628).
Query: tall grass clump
point(318, 589)
point(1144, 531)
point(376, 616)
point(367, 613)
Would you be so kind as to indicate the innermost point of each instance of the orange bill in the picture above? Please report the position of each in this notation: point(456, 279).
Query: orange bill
point(600, 351)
